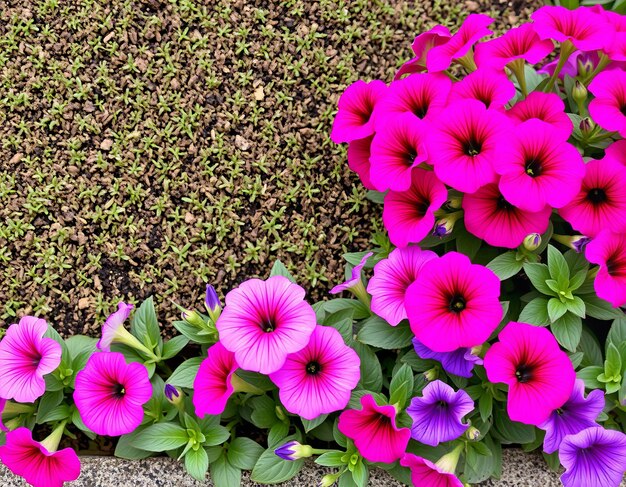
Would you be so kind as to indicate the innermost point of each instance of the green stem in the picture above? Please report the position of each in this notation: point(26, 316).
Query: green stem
point(51, 443)
point(517, 67)
point(567, 48)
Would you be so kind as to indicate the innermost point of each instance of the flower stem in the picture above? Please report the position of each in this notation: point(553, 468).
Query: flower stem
point(602, 63)
point(517, 67)
point(51, 443)
point(567, 48)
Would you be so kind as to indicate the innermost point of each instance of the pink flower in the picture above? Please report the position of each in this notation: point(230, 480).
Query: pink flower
point(359, 159)
point(409, 215)
point(355, 277)
point(617, 152)
point(473, 29)
point(519, 43)
point(539, 374)
point(392, 277)
point(110, 394)
point(539, 168)
point(264, 321)
point(608, 250)
point(113, 325)
point(422, 44)
point(546, 107)
point(465, 141)
point(489, 86)
point(608, 108)
point(319, 378)
point(397, 148)
point(374, 432)
point(25, 357)
point(426, 473)
point(213, 383)
point(354, 118)
point(32, 460)
point(423, 95)
point(489, 216)
point(601, 201)
point(616, 50)
point(585, 29)
point(453, 303)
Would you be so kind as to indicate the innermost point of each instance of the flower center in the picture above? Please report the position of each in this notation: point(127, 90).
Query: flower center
point(623, 109)
point(533, 167)
point(119, 391)
point(457, 304)
point(422, 207)
point(313, 368)
point(420, 109)
point(442, 404)
point(472, 146)
point(411, 154)
point(523, 373)
point(596, 195)
point(268, 325)
point(503, 204)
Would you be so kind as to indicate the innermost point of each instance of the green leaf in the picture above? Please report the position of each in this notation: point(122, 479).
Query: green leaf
point(538, 275)
point(215, 435)
point(556, 309)
point(173, 346)
point(124, 449)
point(224, 474)
point(536, 312)
point(48, 402)
point(371, 371)
point(243, 453)
point(145, 325)
point(331, 459)
point(375, 197)
point(193, 333)
point(577, 280)
point(506, 265)
point(590, 376)
point(263, 412)
point(279, 269)
point(416, 363)
point(485, 405)
point(277, 434)
point(617, 333)
point(378, 333)
point(613, 362)
point(557, 265)
point(360, 311)
point(599, 308)
point(567, 331)
point(197, 463)
point(271, 469)
point(592, 355)
point(79, 347)
point(62, 411)
point(360, 475)
point(185, 373)
point(314, 423)
point(466, 243)
point(576, 306)
point(511, 431)
point(161, 437)
point(342, 321)
point(401, 386)
point(354, 258)
point(479, 467)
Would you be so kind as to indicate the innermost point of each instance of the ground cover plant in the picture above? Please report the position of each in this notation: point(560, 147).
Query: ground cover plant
point(488, 314)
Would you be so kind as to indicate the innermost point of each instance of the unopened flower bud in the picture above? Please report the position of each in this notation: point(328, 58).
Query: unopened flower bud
point(472, 433)
point(329, 479)
point(172, 394)
point(443, 227)
point(532, 241)
point(212, 303)
point(576, 242)
point(579, 92)
point(586, 125)
point(293, 450)
point(193, 318)
point(431, 374)
point(454, 203)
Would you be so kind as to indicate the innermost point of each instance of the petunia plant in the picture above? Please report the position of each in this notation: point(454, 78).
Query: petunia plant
point(489, 314)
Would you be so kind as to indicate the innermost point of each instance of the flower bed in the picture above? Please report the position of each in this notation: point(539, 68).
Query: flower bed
point(485, 322)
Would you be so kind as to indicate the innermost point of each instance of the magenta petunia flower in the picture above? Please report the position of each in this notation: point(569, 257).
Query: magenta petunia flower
point(25, 357)
point(601, 202)
point(473, 29)
point(354, 118)
point(574, 416)
point(539, 374)
point(465, 141)
point(374, 432)
point(489, 216)
point(490, 86)
point(426, 473)
point(397, 148)
point(608, 108)
point(539, 168)
point(546, 107)
point(392, 277)
point(423, 95)
point(422, 44)
point(319, 378)
point(110, 394)
point(35, 463)
point(264, 321)
point(355, 276)
point(518, 43)
point(585, 29)
point(608, 250)
point(113, 325)
point(453, 303)
point(594, 457)
point(213, 383)
point(438, 415)
point(409, 216)
point(458, 362)
point(616, 152)
point(359, 159)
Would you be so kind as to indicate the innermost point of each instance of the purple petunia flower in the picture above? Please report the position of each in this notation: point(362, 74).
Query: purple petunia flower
point(574, 416)
point(437, 415)
point(595, 457)
point(458, 362)
point(211, 299)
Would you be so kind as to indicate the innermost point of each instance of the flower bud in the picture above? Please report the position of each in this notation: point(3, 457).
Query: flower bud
point(576, 242)
point(329, 479)
point(172, 394)
point(454, 203)
point(212, 303)
point(472, 433)
point(193, 318)
point(586, 125)
point(293, 450)
point(443, 227)
point(532, 241)
point(431, 374)
point(579, 92)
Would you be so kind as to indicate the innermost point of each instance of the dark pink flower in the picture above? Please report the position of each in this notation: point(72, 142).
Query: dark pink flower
point(546, 107)
point(464, 143)
point(601, 202)
point(473, 29)
point(608, 250)
point(374, 432)
point(409, 216)
point(422, 44)
point(25, 357)
point(359, 159)
point(615, 50)
point(426, 473)
point(32, 460)
point(539, 168)
point(453, 303)
point(490, 86)
point(539, 374)
point(397, 148)
point(608, 108)
point(489, 216)
point(617, 152)
point(518, 43)
point(319, 378)
point(356, 105)
point(213, 383)
point(392, 277)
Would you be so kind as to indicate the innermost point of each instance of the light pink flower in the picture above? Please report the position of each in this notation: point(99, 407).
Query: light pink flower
point(355, 276)
point(354, 119)
point(426, 473)
point(25, 357)
point(110, 394)
point(608, 108)
point(319, 378)
point(113, 325)
point(546, 107)
point(490, 86)
point(264, 321)
point(392, 277)
point(359, 159)
point(213, 383)
point(608, 250)
point(422, 44)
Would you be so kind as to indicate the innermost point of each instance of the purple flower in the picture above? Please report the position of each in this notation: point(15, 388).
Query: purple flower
point(171, 392)
point(574, 416)
point(211, 300)
point(438, 413)
point(458, 362)
point(355, 280)
point(293, 450)
point(594, 457)
point(580, 243)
